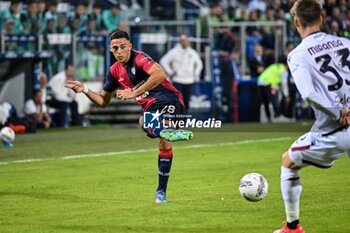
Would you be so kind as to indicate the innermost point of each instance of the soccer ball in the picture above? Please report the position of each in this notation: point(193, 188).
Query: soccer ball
point(253, 187)
point(7, 134)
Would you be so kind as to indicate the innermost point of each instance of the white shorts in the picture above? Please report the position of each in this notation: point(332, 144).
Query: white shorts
point(321, 151)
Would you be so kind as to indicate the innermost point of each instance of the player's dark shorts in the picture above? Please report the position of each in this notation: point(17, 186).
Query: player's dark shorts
point(170, 112)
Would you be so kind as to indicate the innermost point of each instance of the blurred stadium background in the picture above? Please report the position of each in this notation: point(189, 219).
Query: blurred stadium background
point(41, 36)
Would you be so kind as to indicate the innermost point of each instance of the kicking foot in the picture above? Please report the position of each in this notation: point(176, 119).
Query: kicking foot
point(176, 135)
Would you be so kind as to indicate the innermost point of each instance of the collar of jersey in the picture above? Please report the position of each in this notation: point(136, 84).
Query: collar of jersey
point(312, 33)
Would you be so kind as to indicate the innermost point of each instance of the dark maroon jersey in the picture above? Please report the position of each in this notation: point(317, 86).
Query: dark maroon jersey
point(134, 74)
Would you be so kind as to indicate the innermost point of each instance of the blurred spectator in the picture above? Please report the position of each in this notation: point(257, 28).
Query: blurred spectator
point(289, 89)
point(62, 25)
point(216, 14)
point(268, 41)
point(269, 81)
point(10, 118)
point(41, 15)
point(163, 9)
point(328, 5)
point(270, 16)
point(251, 41)
point(50, 27)
point(280, 15)
point(30, 19)
point(51, 13)
point(242, 16)
point(81, 14)
point(183, 65)
point(113, 17)
point(257, 5)
point(253, 17)
point(123, 26)
point(63, 98)
point(75, 26)
point(36, 109)
point(90, 29)
point(90, 63)
point(223, 38)
point(9, 29)
point(230, 76)
point(334, 28)
point(43, 85)
point(257, 63)
point(96, 15)
point(13, 15)
point(231, 14)
point(346, 24)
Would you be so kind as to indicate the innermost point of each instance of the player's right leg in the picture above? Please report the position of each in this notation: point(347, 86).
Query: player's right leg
point(172, 135)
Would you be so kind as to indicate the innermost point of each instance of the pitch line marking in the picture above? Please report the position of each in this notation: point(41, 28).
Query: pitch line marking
point(147, 150)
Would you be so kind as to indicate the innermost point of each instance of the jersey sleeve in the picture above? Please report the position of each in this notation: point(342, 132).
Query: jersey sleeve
point(303, 80)
point(144, 61)
point(110, 84)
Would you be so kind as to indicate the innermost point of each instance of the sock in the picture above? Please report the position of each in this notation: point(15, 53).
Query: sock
point(293, 225)
point(165, 159)
point(291, 189)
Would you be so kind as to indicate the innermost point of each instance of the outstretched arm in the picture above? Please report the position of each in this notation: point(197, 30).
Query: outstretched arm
point(101, 99)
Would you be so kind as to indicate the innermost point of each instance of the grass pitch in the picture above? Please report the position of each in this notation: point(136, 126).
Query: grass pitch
point(103, 179)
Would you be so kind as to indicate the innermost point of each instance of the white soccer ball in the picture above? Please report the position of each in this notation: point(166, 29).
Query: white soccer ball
point(7, 134)
point(253, 187)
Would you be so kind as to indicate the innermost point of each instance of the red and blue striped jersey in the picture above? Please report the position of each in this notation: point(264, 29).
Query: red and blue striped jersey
point(134, 74)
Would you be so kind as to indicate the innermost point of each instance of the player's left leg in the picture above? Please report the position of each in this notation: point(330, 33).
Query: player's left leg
point(165, 158)
point(291, 190)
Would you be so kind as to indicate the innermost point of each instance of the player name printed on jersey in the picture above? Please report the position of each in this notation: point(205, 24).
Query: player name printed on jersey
point(330, 45)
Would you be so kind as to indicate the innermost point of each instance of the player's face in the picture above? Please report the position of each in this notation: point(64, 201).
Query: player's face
point(121, 49)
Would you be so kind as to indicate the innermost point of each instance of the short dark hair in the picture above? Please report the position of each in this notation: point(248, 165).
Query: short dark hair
point(307, 11)
point(119, 34)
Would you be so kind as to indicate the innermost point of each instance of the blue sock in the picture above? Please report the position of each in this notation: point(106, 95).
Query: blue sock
point(165, 159)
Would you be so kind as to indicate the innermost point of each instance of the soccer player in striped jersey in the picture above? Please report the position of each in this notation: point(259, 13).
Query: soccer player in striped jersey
point(320, 66)
point(138, 77)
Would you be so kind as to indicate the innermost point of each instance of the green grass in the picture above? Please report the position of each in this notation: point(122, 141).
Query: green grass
point(115, 193)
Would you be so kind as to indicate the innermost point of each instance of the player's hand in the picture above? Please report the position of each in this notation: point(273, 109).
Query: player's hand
point(76, 86)
point(125, 94)
point(345, 117)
